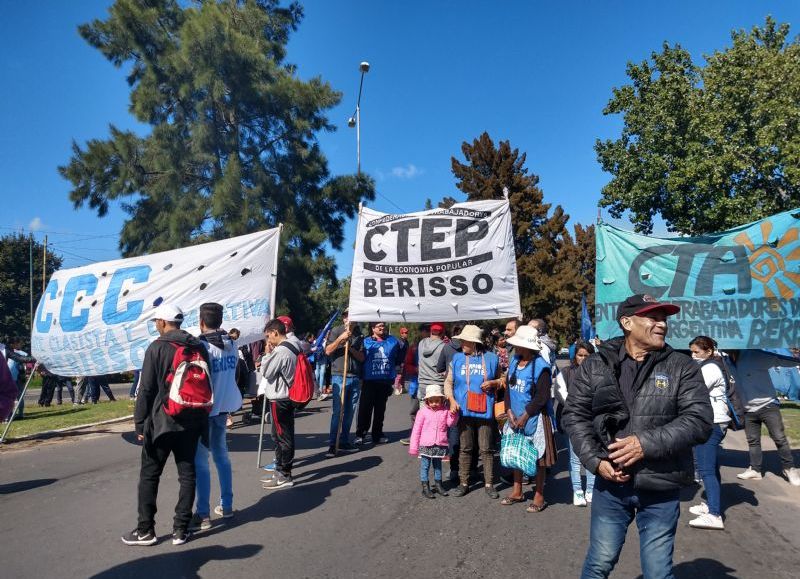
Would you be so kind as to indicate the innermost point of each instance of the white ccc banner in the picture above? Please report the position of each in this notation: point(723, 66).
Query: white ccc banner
point(96, 319)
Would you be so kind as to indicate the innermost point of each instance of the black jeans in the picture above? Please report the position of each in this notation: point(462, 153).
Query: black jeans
point(183, 446)
point(283, 434)
point(770, 416)
point(372, 407)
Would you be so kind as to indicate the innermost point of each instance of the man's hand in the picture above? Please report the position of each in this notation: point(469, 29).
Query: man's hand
point(487, 386)
point(610, 473)
point(344, 336)
point(140, 437)
point(626, 451)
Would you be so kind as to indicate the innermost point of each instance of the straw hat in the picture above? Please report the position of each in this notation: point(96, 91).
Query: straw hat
point(526, 337)
point(470, 333)
point(434, 390)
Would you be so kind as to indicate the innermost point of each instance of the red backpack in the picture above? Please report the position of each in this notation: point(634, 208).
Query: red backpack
point(301, 390)
point(189, 381)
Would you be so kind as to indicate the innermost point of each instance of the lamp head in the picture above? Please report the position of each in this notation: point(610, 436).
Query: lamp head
point(364, 66)
point(351, 122)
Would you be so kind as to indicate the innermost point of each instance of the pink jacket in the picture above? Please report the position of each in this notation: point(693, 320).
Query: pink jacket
point(430, 427)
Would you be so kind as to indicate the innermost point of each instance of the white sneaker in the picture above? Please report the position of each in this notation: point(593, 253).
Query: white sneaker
point(578, 499)
point(707, 521)
point(701, 509)
point(588, 497)
point(793, 475)
point(750, 474)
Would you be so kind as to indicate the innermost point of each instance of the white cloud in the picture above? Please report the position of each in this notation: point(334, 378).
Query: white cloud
point(36, 224)
point(408, 172)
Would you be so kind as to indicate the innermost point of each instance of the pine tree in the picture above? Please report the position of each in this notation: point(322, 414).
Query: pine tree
point(539, 235)
point(232, 146)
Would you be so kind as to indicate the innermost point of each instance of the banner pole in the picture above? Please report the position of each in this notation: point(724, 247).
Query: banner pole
point(261, 429)
point(19, 400)
point(341, 391)
point(274, 288)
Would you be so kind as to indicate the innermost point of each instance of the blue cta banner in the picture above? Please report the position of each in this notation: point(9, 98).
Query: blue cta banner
point(740, 287)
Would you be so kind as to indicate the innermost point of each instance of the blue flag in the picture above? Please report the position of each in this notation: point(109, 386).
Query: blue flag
point(321, 336)
point(587, 331)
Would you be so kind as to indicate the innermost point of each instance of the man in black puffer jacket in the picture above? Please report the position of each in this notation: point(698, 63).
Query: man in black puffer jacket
point(634, 411)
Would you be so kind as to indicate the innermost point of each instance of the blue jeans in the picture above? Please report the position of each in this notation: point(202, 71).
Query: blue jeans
point(575, 473)
point(707, 456)
point(425, 463)
point(319, 374)
point(352, 392)
point(219, 450)
point(613, 509)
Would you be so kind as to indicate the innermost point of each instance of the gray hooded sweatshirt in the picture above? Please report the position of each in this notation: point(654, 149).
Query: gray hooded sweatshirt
point(428, 353)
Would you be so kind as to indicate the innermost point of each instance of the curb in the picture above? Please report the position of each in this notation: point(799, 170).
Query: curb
point(52, 433)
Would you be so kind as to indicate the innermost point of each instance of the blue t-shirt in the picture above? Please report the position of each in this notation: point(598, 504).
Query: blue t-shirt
point(480, 367)
point(381, 358)
point(521, 382)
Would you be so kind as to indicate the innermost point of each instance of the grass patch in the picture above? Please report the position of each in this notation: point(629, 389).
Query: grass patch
point(39, 419)
point(791, 420)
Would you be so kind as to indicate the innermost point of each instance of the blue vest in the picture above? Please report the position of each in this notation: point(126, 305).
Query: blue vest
point(520, 383)
point(472, 382)
point(380, 358)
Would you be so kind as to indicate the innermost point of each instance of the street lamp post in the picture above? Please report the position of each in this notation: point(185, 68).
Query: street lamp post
point(355, 120)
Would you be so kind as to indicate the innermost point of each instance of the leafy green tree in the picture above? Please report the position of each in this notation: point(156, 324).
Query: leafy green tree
point(15, 314)
point(232, 146)
point(539, 234)
point(708, 147)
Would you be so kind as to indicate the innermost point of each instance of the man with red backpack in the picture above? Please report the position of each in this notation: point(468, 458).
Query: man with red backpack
point(281, 389)
point(171, 415)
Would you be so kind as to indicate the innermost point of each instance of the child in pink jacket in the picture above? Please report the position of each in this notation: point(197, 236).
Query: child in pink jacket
point(429, 438)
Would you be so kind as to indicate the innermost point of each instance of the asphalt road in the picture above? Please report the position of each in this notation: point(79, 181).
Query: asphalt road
point(65, 504)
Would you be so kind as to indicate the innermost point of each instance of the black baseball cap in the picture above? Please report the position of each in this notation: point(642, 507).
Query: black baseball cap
point(640, 304)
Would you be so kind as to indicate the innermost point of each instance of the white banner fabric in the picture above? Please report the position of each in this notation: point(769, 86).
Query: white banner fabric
point(437, 265)
point(94, 319)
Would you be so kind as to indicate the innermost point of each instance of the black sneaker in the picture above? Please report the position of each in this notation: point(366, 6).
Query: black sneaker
point(180, 536)
point(331, 452)
point(137, 538)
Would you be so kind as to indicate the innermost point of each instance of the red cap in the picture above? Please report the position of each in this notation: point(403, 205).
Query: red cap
point(287, 321)
point(437, 328)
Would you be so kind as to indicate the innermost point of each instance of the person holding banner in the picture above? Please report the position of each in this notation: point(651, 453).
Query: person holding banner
point(381, 365)
point(472, 377)
point(345, 373)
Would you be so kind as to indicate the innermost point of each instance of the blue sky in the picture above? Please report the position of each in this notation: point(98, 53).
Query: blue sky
point(535, 73)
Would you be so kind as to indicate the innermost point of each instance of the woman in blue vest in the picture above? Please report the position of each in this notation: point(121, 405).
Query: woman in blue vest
point(472, 377)
point(527, 393)
point(381, 364)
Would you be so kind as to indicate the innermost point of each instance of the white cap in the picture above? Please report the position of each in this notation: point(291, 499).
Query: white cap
point(168, 313)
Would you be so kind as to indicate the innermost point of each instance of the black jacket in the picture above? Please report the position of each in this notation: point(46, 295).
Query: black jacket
point(149, 416)
point(671, 414)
